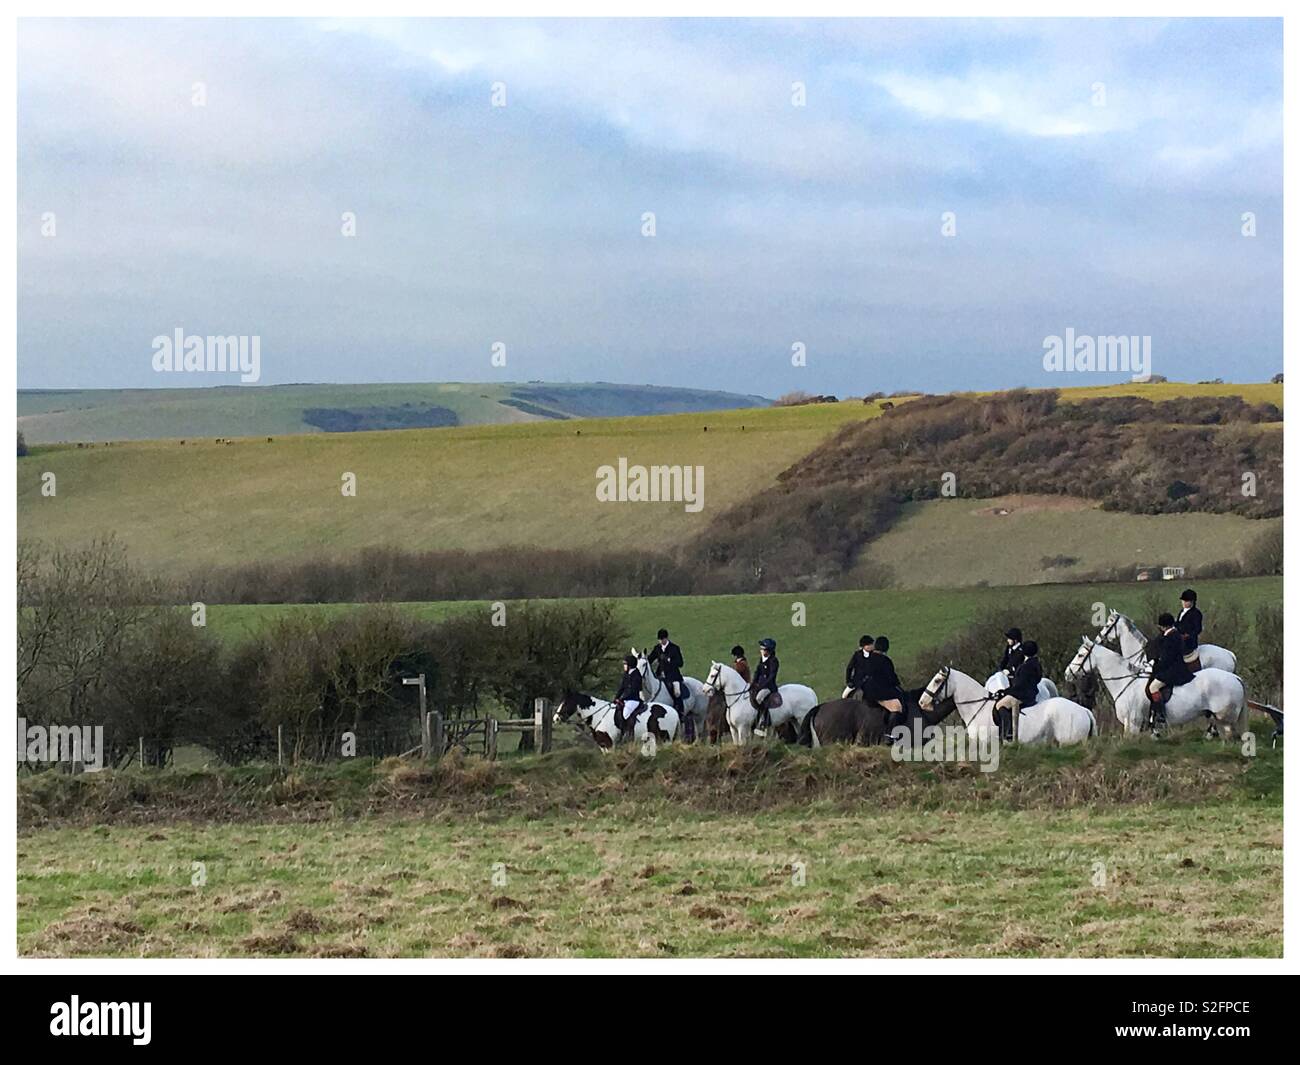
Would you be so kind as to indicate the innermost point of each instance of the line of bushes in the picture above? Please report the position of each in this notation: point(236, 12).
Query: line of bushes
point(96, 648)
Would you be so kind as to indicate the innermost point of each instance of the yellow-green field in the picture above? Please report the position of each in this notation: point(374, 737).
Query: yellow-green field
point(482, 487)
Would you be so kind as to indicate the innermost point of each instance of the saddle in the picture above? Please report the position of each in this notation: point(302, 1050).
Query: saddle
point(625, 724)
point(774, 700)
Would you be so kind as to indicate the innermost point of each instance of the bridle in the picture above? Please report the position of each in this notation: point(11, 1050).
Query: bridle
point(942, 690)
point(587, 715)
point(646, 673)
point(715, 686)
point(1132, 678)
point(1138, 658)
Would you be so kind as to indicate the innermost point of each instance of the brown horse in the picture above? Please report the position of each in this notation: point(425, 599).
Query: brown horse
point(861, 723)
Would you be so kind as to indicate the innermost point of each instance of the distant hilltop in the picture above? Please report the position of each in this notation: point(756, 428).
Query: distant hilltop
point(48, 416)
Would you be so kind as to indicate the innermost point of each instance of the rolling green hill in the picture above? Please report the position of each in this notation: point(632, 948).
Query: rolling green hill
point(180, 505)
point(487, 487)
point(277, 410)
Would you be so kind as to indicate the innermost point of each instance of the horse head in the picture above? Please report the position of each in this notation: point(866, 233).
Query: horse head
point(936, 690)
point(573, 702)
point(1081, 660)
point(710, 684)
point(1109, 628)
point(643, 667)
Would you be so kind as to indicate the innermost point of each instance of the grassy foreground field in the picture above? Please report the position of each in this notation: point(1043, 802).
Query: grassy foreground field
point(1118, 851)
point(815, 653)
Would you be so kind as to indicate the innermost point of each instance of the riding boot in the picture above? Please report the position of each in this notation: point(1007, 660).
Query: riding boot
point(689, 728)
point(762, 723)
point(1158, 720)
point(893, 720)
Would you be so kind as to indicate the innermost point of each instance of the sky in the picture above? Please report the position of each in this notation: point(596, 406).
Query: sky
point(945, 195)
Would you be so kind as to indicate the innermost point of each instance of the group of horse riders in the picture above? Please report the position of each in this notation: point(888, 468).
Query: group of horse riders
point(1176, 659)
point(871, 673)
point(665, 658)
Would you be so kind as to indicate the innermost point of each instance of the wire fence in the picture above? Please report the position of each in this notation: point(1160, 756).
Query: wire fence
point(431, 737)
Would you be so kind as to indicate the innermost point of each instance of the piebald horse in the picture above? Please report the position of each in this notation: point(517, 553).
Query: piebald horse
point(695, 700)
point(1057, 720)
point(796, 701)
point(1213, 693)
point(598, 717)
point(1133, 645)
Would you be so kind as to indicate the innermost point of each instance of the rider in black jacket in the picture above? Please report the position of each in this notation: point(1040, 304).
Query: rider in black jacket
point(856, 672)
point(883, 687)
point(1013, 654)
point(1170, 669)
point(627, 703)
point(1022, 692)
point(763, 686)
point(1188, 623)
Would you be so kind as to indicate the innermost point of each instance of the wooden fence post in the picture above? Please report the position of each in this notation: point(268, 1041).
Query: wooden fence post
point(279, 746)
point(436, 734)
point(141, 752)
point(541, 726)
point(426, 736)
point(491, 727)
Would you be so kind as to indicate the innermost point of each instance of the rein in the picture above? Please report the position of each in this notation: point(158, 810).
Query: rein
point(1132, 678)
point(1138, 658)
point(729, 700)
point(957, 703)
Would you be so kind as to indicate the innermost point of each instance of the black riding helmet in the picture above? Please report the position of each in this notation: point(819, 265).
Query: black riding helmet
point(1030, 648)
point(1014, 634)
point(737, 652)
point(882, 644)
point(767, 643)
point(865, 641)
point(1165, 620)
point(663, 634)
point(1188, 596)
point(629, 661)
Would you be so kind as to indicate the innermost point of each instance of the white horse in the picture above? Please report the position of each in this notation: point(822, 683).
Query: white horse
point(597, 715)
point(1054, 720)
point(1133, 645)
point(1000, 682)
point(1215, 692)
point(695, 700)
point(796, 701)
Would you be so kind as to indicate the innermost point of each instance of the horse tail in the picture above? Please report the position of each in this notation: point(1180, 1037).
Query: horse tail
point(1092, 724)
point(1243, 715)
point(806, 736)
